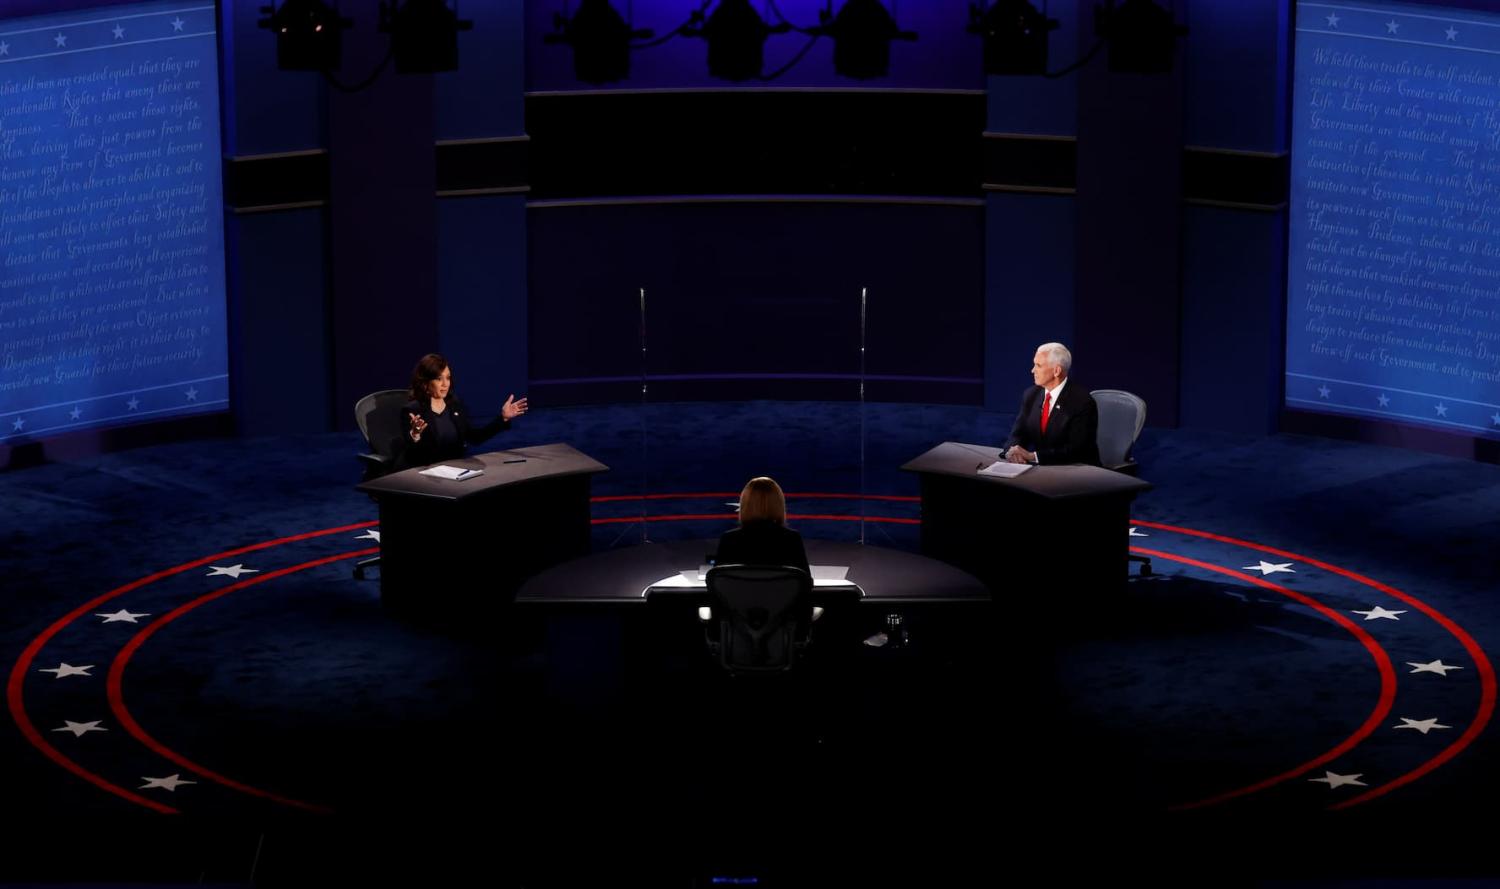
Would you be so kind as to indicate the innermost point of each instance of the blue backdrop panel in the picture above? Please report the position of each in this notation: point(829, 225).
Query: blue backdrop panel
point(1393, 301)
point(111, 226)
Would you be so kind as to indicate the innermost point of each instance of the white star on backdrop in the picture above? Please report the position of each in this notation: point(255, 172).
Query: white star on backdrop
point(371, 534)
point(60, 40)
point(121, 615)
point(133, 403)
point(1384, 400)
point(171, 782)
point(1442, 410)
point(1391, 27)
point(1422, 725)
point(119, 32)
point(232, 571)
point(1378, 612)
point(1452, 33)
point(1266, 568)
point(75, 413)
point(1495, 418)
point(4, 48)
point(18, 424)
point(79, 729)
point(1323, 391)
point(62, 670)
point(177, 23)
point(191, 393)
point(1333, 20)
point(1436, 666)
point(1333, 780)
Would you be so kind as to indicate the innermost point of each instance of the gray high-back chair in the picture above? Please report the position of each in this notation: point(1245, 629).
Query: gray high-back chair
point(379, 417)
point(1122, 415)
point(763, 615)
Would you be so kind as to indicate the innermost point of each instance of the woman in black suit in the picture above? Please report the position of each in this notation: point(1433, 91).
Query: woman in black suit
point(762, 537)
point(438, 425)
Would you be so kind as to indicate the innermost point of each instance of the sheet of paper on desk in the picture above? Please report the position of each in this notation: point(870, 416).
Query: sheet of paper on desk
point(1002, 469)
point(455, 473)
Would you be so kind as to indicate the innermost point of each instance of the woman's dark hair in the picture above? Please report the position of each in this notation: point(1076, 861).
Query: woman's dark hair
point(425, 373)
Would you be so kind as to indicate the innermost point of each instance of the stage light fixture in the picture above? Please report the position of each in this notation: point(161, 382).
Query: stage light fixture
point(862, 33)
point(1142, 35)
point(600, 39)
point(308, 34)
point(1015, 36)
point(736, 36)
point(424, 34)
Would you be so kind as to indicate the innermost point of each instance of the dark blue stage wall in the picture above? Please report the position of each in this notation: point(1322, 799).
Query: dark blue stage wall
point(112, 291)
point(1393, 308)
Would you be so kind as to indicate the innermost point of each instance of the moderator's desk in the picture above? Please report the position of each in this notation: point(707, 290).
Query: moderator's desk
point(443, 540)
point(1060, 527)
point(877, 577)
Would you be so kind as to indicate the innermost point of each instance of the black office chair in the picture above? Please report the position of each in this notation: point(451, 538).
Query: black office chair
point(1122, 415)
point(763, 617)
point(379, 417)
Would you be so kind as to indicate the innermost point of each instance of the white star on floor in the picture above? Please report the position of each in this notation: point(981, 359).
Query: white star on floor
point(1452, 33)
point(75, 413)
point(177, 23)
point(60, 40)
point(119, 32)
point(1391, 26)
point(1266, 568)
point(1442, 410)
point(79, 729)
point(121, 615)
point(133, 403)
point(1378, 612)
point(1422, 725)
point(1136, 532)
point(1333, 780)
point(1436, 666)
point(232, 571)
point(371, 534)
point(1384, 400)
point(1333, 20)
point(171, 782)
point(1323, 391)
point(18, 424)
point(191, 393)
point(62, 670)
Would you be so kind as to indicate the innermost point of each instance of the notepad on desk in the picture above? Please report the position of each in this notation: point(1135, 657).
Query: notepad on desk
point(452, 473)
point(1002, 469)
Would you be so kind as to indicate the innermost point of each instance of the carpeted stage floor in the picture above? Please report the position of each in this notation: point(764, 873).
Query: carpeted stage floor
point(1300, 692)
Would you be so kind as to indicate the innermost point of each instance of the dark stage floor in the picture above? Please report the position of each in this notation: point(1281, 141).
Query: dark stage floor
point(1301, 690)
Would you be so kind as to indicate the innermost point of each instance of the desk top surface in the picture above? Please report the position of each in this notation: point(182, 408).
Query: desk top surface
point(620, 575)
point(959, 460)
point(501, 468)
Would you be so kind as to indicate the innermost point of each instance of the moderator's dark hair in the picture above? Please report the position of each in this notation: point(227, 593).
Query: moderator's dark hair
point(427, 370)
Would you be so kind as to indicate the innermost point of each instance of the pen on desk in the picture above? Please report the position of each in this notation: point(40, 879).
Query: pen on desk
point(517, 460)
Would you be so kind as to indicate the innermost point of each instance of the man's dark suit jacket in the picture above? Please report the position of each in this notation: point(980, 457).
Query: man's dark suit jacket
point(1072, 427)
point(762, 543)
point(429, 450)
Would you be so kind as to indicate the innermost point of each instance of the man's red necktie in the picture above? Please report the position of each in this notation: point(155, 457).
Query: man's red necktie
point(1046, 410)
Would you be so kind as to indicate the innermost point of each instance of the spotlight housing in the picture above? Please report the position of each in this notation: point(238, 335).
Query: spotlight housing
point(1015, 36)
point(736, 36)
point(862, 33)
point(308, 34)
point(600, 39)
point(424, 34)
point(1142, 35)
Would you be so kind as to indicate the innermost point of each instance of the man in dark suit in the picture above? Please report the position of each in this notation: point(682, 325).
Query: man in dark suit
point(1058, 422)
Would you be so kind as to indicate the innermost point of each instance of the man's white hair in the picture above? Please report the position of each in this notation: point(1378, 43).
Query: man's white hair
point(1058, 354)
